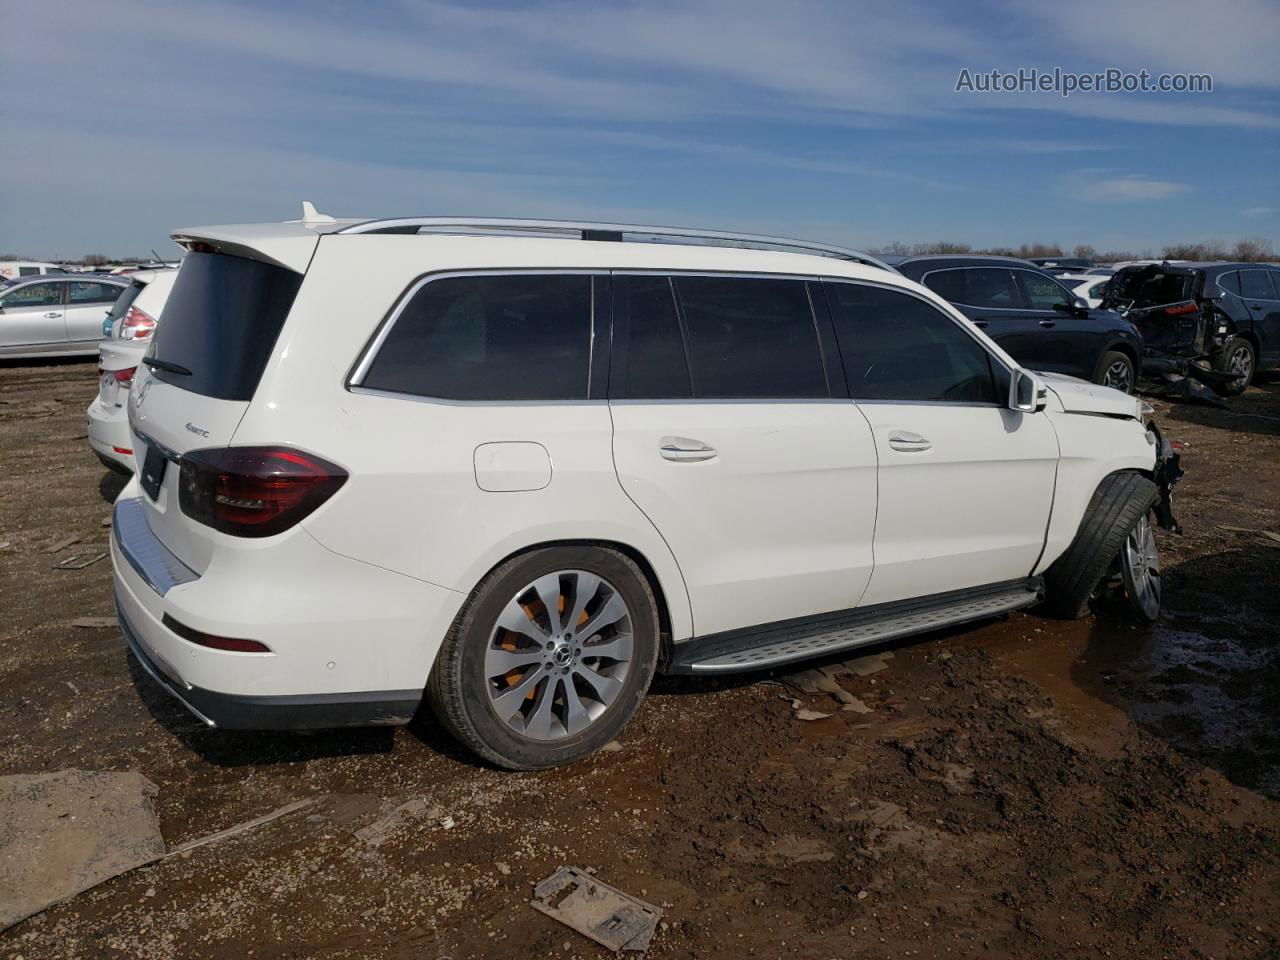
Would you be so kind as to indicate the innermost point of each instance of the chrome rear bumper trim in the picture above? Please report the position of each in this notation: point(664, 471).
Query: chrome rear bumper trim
point(150, 558)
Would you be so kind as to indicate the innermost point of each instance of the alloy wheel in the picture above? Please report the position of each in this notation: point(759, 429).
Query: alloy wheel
point(1119, 376)
point(1240, 364)
point(1140, 568)
point(558, 654)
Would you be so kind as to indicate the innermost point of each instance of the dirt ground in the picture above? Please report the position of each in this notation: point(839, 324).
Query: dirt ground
point(1023, 788)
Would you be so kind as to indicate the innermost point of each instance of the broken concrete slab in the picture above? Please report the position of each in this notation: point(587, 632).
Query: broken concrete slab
point(608, 916)
point(381, 829)
point(805, 714)
point(856, 706)
point(61, 833)
point(865, 666)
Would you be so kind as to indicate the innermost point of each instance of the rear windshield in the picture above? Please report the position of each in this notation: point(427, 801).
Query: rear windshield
point(1150, 287)
point(220, 322)
point(125, 301)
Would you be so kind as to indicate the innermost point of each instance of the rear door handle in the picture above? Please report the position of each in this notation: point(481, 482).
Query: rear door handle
point(909, 442)
point(1048, 323)
point(684, 450)
point(53, 316)
point(980, 324)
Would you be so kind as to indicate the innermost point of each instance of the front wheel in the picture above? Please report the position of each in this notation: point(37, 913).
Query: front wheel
point(1140, 570)
point(550, 658)
point(1116, 370)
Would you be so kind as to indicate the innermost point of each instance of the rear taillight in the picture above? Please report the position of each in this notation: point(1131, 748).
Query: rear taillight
point(124, 376)
point(137, 325)
point(1181, 308)
point(254, 491)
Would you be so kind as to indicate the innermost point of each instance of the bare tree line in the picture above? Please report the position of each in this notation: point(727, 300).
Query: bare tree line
point(1250, 249)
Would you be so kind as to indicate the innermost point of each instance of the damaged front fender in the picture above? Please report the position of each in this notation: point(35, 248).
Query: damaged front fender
point(1167, 473)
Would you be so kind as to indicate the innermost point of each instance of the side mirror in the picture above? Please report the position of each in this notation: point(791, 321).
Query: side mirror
point(1026, 395)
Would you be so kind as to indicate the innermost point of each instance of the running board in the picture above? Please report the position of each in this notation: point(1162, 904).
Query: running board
point(771, 645)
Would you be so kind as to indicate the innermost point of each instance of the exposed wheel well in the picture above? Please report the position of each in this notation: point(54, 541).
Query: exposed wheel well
point(631, 553)
point(1126, 349)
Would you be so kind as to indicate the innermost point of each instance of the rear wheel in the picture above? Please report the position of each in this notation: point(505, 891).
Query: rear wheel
point(1116, 370)
point(1236, 358)
point(550, 658)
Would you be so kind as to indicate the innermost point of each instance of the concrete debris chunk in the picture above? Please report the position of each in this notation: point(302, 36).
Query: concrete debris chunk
point(613, 919)
point(62, 833)
point(856, 706)
point(805, 714)
point(378, 832)
point(865, 666)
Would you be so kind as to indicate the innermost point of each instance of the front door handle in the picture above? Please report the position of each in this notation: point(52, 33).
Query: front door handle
point(908, 442)
point(980, 324)
point(1048, 323)
point(684, 450)
point(53, 316)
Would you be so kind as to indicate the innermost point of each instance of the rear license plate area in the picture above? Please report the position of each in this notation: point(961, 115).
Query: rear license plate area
point(154, 465)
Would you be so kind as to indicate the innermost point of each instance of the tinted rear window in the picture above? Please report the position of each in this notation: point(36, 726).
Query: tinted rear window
point(1256, 285)
point(648, 360)
point(221, 321)
point(513, 337)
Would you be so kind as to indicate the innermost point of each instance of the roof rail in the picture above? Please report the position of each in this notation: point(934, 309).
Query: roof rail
point(586, 230)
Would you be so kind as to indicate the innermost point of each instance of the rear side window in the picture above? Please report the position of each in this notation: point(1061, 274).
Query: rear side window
point(990, 287)
point(898, 347)
point(1255, 284)
point(508, 337)
point(221, 322)
point(751, 337)
point(1230, 282)
point(648, 359)
point(28, 271)
point(81, 292)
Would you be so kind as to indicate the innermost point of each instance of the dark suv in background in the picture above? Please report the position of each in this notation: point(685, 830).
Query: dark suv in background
point(1037, 320)
point(1215, 322)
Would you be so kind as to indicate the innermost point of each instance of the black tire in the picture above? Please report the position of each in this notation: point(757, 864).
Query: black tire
point(1119, 502)
point(1113, 359)
point(457, 689)
point(1235, 350)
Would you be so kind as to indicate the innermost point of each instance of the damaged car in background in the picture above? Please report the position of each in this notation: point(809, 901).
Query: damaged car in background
point(1208, 324)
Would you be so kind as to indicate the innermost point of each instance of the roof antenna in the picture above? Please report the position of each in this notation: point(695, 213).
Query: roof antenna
point(311, 215)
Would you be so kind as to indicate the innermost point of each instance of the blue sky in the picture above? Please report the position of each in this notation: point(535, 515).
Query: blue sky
point(124, 119)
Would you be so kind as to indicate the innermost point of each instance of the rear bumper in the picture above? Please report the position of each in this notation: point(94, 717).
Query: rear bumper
point(108, 430)
point(234, 712)
point(351, 644)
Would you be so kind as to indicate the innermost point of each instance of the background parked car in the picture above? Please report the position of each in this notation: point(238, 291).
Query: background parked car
point(128, 328)
point(55, 316)
point(17, 269)
point(1039, 321)
point(1089, 287)
point(1225, 316)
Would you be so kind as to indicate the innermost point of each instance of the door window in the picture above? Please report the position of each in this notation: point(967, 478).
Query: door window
point(896, 346)
point(490, 337)
point(1230, 282)
point(33, 295)
point(81, 292)
point(751, 337)
point(1040, 292)
point(1256, 285)
point(648, 359)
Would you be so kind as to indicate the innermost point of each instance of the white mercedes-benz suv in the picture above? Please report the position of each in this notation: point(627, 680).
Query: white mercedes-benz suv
point(514, 468)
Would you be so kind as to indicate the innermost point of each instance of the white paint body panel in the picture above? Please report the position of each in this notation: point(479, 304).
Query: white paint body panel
point(777, 524)
point(970, 510)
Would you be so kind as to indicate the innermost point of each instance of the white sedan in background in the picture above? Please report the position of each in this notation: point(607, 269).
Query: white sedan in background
point(128, 329)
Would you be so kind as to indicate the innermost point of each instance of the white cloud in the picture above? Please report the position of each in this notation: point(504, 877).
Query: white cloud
point(1097, 186)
